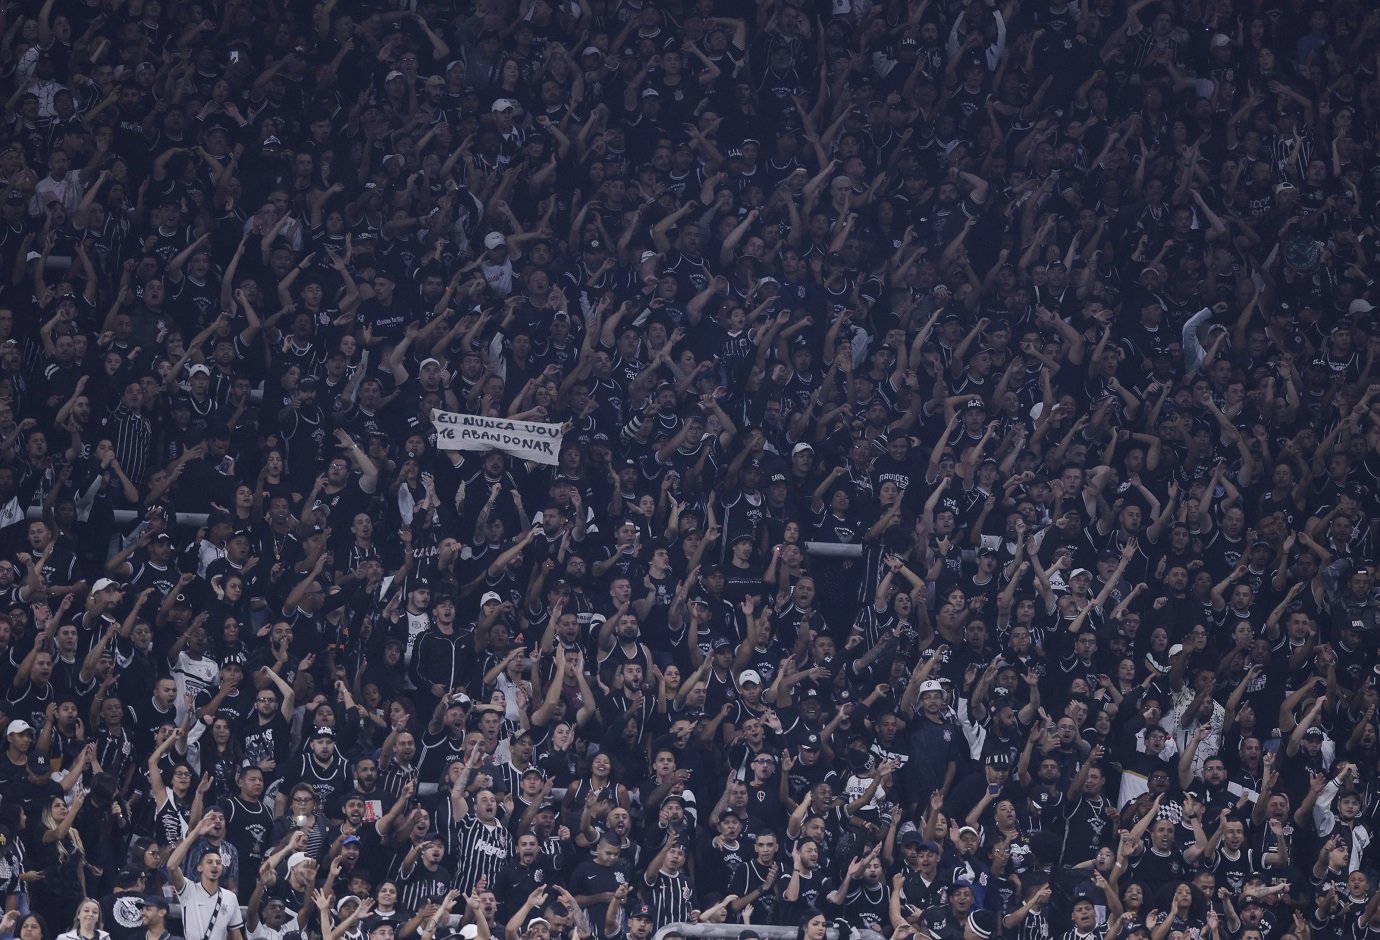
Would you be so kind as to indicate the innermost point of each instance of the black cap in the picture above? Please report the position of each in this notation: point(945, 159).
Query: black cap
point(154, 900)
point(640, 910)
point(983, 923)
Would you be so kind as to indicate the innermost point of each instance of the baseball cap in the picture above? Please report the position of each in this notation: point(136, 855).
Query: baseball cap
point(494, 240)
point(18, 726)
point(198, 369)
point(104, 584)
point(502, 104)
point(153, 900)
point(490, 597)
point(296, 859)
point(801, 448)
point(749, 675)
point(931, 685)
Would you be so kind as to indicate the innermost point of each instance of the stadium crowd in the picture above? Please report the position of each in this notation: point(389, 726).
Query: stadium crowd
point(962, 526)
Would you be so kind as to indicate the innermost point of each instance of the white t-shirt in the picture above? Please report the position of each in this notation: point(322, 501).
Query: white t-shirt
point(208, 916)
point(193, 676)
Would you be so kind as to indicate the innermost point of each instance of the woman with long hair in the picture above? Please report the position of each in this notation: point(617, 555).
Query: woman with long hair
point(87, 924)
point(146, 857)
point(813, 926)
point(221, 755)
point(30, 927)
point(58, 852)
point(598, 780)
point(386, 904)
point(557, 758)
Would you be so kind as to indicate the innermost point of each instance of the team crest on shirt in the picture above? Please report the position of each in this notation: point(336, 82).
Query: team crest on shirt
point(538, 875)
point(127, 912)
point(948, 735)
point(619, 877)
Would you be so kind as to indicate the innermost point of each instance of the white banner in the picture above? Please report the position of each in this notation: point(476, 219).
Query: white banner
point(531, 440)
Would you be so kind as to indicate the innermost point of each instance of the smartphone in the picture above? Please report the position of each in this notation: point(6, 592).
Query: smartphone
point(234, 57)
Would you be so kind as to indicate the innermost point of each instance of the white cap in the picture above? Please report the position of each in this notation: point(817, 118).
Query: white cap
point(422, 364)
point(18, 726)
point(1221, 39)
point(297, 858)
point(104, 584)
point(503, 104)
point(490, 596)
point(1175, 650)
point(1078, 571)
point(1360, 305)
point(931, 685)
point(495, 240)
point(469, 931)
point(198, 369)
point(801, 448)
point(749, 675)
point(393, 74)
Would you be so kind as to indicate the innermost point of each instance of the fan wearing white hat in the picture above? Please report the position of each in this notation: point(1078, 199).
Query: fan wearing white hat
point(19, 744)
point(933, 732)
